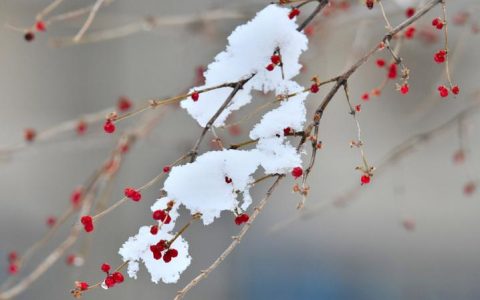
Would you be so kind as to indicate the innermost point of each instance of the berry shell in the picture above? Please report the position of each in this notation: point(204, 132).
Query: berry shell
point(29, 36)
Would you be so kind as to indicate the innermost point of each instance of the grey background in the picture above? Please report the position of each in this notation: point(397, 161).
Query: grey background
point(360, 252)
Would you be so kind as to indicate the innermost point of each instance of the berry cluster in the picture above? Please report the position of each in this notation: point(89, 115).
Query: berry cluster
point(87, 222)
point(13, 263)
point(392, 71)
point(276, 60)
point(40, 26)
point(443, 91)
point(241, 218)
point(163, 247)
point(162, 216)
point(410, 32)
point(440, 56)
point(438, 23)
point(132, 194)
point(293, 13)
point(112, 279)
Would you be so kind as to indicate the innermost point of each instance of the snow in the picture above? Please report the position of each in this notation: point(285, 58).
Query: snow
point(248, 52)
point(137, 248)
point(291, 113)
point(162, 204)
point(201, 186)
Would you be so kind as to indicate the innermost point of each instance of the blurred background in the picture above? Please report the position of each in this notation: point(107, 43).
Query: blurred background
point(411, 234)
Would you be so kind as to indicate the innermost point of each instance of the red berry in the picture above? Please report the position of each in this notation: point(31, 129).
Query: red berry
point(404, 89)
point(172, 252)
point(132, 194)
point(392, 71)
point(76, 197)
point(228, 179)
point(87, 222)
point(12, 268)
point(380, 63)
point(83, 286)
point(110, 281)
point(12, 256)
point(118, 277)
point(161, 245)
point(124, 104)
point(409, 32)
point(162, 216)
point(40, 26)
point(81, 127)
point(455, 89)
point(270, 67)
point(276, 59)
point(369, 4)
point(70, 260)
point(195, 95)
point(409, 12)
point(365, 179)
point(297, 172)
point(242, 218)
point(440, 56)
point(469, 188)
point(358, 107)
point(29, 134)
point(109, 127)
point(293, 13)
point(443, 91)
point(314, 88)
point(157, 255)
point(309, 30)
point(166, 169)
point(105, 267)
point(154, 229)
point(287, 131)
point(365, 97)
point(167, 258)
point(29, 36)
point(438, 23)
point(51, 221)
point(88, 228)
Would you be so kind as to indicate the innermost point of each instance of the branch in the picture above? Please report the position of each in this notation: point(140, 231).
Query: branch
point(236, 240)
